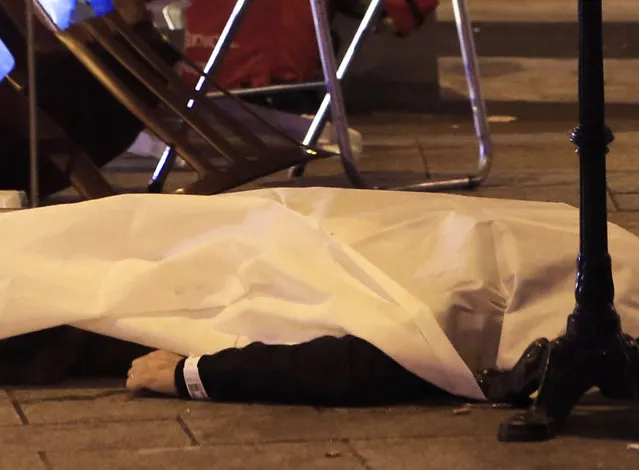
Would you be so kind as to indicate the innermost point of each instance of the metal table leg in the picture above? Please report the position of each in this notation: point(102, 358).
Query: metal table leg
point(594, 352)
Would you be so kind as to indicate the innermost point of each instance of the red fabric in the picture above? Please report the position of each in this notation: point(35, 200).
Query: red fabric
point(404, 19)
point(276, 42)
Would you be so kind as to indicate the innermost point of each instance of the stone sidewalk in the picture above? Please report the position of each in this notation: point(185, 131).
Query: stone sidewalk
point(104, 428)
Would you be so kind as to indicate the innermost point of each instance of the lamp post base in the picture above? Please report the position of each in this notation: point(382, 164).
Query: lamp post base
point(562, 370)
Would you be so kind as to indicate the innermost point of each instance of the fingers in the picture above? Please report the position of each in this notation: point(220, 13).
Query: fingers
point(154, 372)
point(134, 384)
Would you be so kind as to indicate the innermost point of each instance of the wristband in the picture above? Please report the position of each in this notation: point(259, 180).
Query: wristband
point(192, 379)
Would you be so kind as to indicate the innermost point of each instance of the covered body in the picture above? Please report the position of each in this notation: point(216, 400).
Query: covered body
point(442, 284)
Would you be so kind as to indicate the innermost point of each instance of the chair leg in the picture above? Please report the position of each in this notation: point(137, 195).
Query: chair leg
point(480, 117)
point(478, 105)
point(167, 161)
point(84, 175)
point(367, 23)
point(338, 111)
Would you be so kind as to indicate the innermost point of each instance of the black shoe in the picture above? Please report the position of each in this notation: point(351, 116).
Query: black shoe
point(516, 385)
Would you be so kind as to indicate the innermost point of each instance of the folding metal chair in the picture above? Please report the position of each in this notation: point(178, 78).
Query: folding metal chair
point(235, 147)
point(333, 99)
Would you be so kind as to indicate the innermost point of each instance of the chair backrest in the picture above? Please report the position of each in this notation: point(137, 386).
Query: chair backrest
point(219, 146)
point(71, 96)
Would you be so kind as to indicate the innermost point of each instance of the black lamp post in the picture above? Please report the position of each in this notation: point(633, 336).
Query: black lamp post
point(594, 352)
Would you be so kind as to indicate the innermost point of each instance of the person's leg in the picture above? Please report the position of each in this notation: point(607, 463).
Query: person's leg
point(48, 356)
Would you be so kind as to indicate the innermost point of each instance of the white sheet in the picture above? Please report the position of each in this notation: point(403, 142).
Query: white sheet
point(443, 284)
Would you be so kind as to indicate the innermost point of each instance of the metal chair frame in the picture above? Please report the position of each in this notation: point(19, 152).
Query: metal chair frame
point(333, 101)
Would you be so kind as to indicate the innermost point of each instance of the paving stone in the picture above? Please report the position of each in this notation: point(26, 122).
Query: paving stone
point(513, 158)
point(518, 79)
point(565, 194)
point(223, 424)
point(545, 11)
point(462, 453)
point(627, 202)
point(8, 414)
point(375, 159)
point(524, 152)
point(411, 421)
point(533, 178)
point(270, 425)
point(618, 182)
point(623, 182)
point(74, 405)
point(289, 456)
point(379, 166)
point(627, 220)
point(83, 436)
point(20, 461)
point(239, 411)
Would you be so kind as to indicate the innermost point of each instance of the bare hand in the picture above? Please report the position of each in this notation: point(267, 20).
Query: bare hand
point(154, 372)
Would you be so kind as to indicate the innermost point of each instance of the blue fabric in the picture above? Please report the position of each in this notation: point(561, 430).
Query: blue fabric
point(59, 11)
point(7, 62)
point(101, 7)
point(64, 12)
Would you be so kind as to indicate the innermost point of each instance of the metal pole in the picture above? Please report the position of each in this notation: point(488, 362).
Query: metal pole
point(477, 103)
point(338, 112)
point(33, 107)
point(370, 17)
point(321, 116)
point(594, 352)
point(595, 290)
point(223, 44)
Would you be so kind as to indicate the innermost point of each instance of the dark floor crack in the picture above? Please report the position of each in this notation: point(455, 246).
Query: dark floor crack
point(44, 458)
point(187, 431)
point(17, 408)
point(359, 457)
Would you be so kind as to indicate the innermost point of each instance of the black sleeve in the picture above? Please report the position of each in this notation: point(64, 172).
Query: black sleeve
point(327, 371)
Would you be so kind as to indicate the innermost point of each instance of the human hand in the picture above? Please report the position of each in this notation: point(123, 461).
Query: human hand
point(154, 372)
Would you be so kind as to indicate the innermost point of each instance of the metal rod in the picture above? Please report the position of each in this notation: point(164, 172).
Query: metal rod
point(33, 107)
point(270, 89)
point(223, 44)
point(595, 286)
point(478, 106)
point(321, 116)
point(319, 120)
point(593, 138)
point(338, 112)
point(477, 103)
